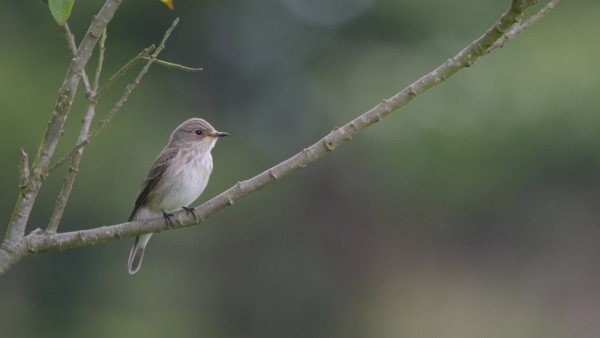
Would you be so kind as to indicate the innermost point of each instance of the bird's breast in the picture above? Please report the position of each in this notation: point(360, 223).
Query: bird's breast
point(185, 179)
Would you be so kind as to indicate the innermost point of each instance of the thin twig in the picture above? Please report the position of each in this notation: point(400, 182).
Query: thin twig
point(66, 32)
point(82, 143)
point(518, 28)
point(119, 104)
point(66, 94)
point(100, 62)
point(124, 69)
point(63, 197)
point(61, 201)
point(175, 65)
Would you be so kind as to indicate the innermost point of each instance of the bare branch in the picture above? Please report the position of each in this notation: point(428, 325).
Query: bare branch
point(37, 243)
point(121, 101)
point(100, 62)
point(24, 169)
point(27, 196)
point(175, 65)
point(518, 28)
point(66, 31)
point(61, 201)
point(124, 69)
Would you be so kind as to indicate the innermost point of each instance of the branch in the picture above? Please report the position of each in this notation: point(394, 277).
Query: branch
point(518, 28)
point(16, 227)
point(121, 101)
point(24, 169)
point(38, 242)
point(66, 32)
point(143, 56)
point(61, 201)
point(100, 62)
point(123, 69)
point(175, 65)
point(63, 197)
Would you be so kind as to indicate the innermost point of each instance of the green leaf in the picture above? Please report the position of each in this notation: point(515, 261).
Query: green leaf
point(61, 9)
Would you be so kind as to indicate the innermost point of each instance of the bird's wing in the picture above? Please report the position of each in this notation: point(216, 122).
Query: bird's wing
point(154, 176)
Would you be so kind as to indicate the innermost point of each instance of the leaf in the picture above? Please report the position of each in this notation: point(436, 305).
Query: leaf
point(169, 3)
point(61, 9)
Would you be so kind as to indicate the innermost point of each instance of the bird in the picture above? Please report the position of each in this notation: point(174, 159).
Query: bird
point(176, 178)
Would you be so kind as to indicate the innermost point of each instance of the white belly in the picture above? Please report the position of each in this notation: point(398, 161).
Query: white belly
point(184, 181)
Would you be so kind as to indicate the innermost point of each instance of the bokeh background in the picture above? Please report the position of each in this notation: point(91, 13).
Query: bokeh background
point(472, 212)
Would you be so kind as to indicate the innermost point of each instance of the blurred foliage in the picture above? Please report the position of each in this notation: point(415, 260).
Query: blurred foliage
point(472, 212)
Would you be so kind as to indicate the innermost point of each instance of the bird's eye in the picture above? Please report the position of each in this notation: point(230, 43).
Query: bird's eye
point(198, 132)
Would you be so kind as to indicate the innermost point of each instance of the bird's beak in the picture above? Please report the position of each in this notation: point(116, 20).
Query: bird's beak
point(220, 134)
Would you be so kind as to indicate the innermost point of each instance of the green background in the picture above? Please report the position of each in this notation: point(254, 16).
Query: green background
point(472, 212)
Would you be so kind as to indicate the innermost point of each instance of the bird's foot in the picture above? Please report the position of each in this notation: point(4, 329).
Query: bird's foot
point(190, 211)
point(167, 218)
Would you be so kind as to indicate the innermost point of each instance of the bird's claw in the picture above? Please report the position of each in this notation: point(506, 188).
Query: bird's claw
point(167, 218)
point(190, 211)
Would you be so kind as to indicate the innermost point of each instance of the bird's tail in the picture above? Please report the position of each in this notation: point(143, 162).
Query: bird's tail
point(137, 253)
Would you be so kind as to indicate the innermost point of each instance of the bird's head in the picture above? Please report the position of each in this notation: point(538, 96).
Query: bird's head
point(196, 132)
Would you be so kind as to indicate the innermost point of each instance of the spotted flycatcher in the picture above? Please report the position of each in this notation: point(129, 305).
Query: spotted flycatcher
point(176, 178)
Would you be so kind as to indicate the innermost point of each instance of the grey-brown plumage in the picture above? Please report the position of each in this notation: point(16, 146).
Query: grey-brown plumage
point(176, 178)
